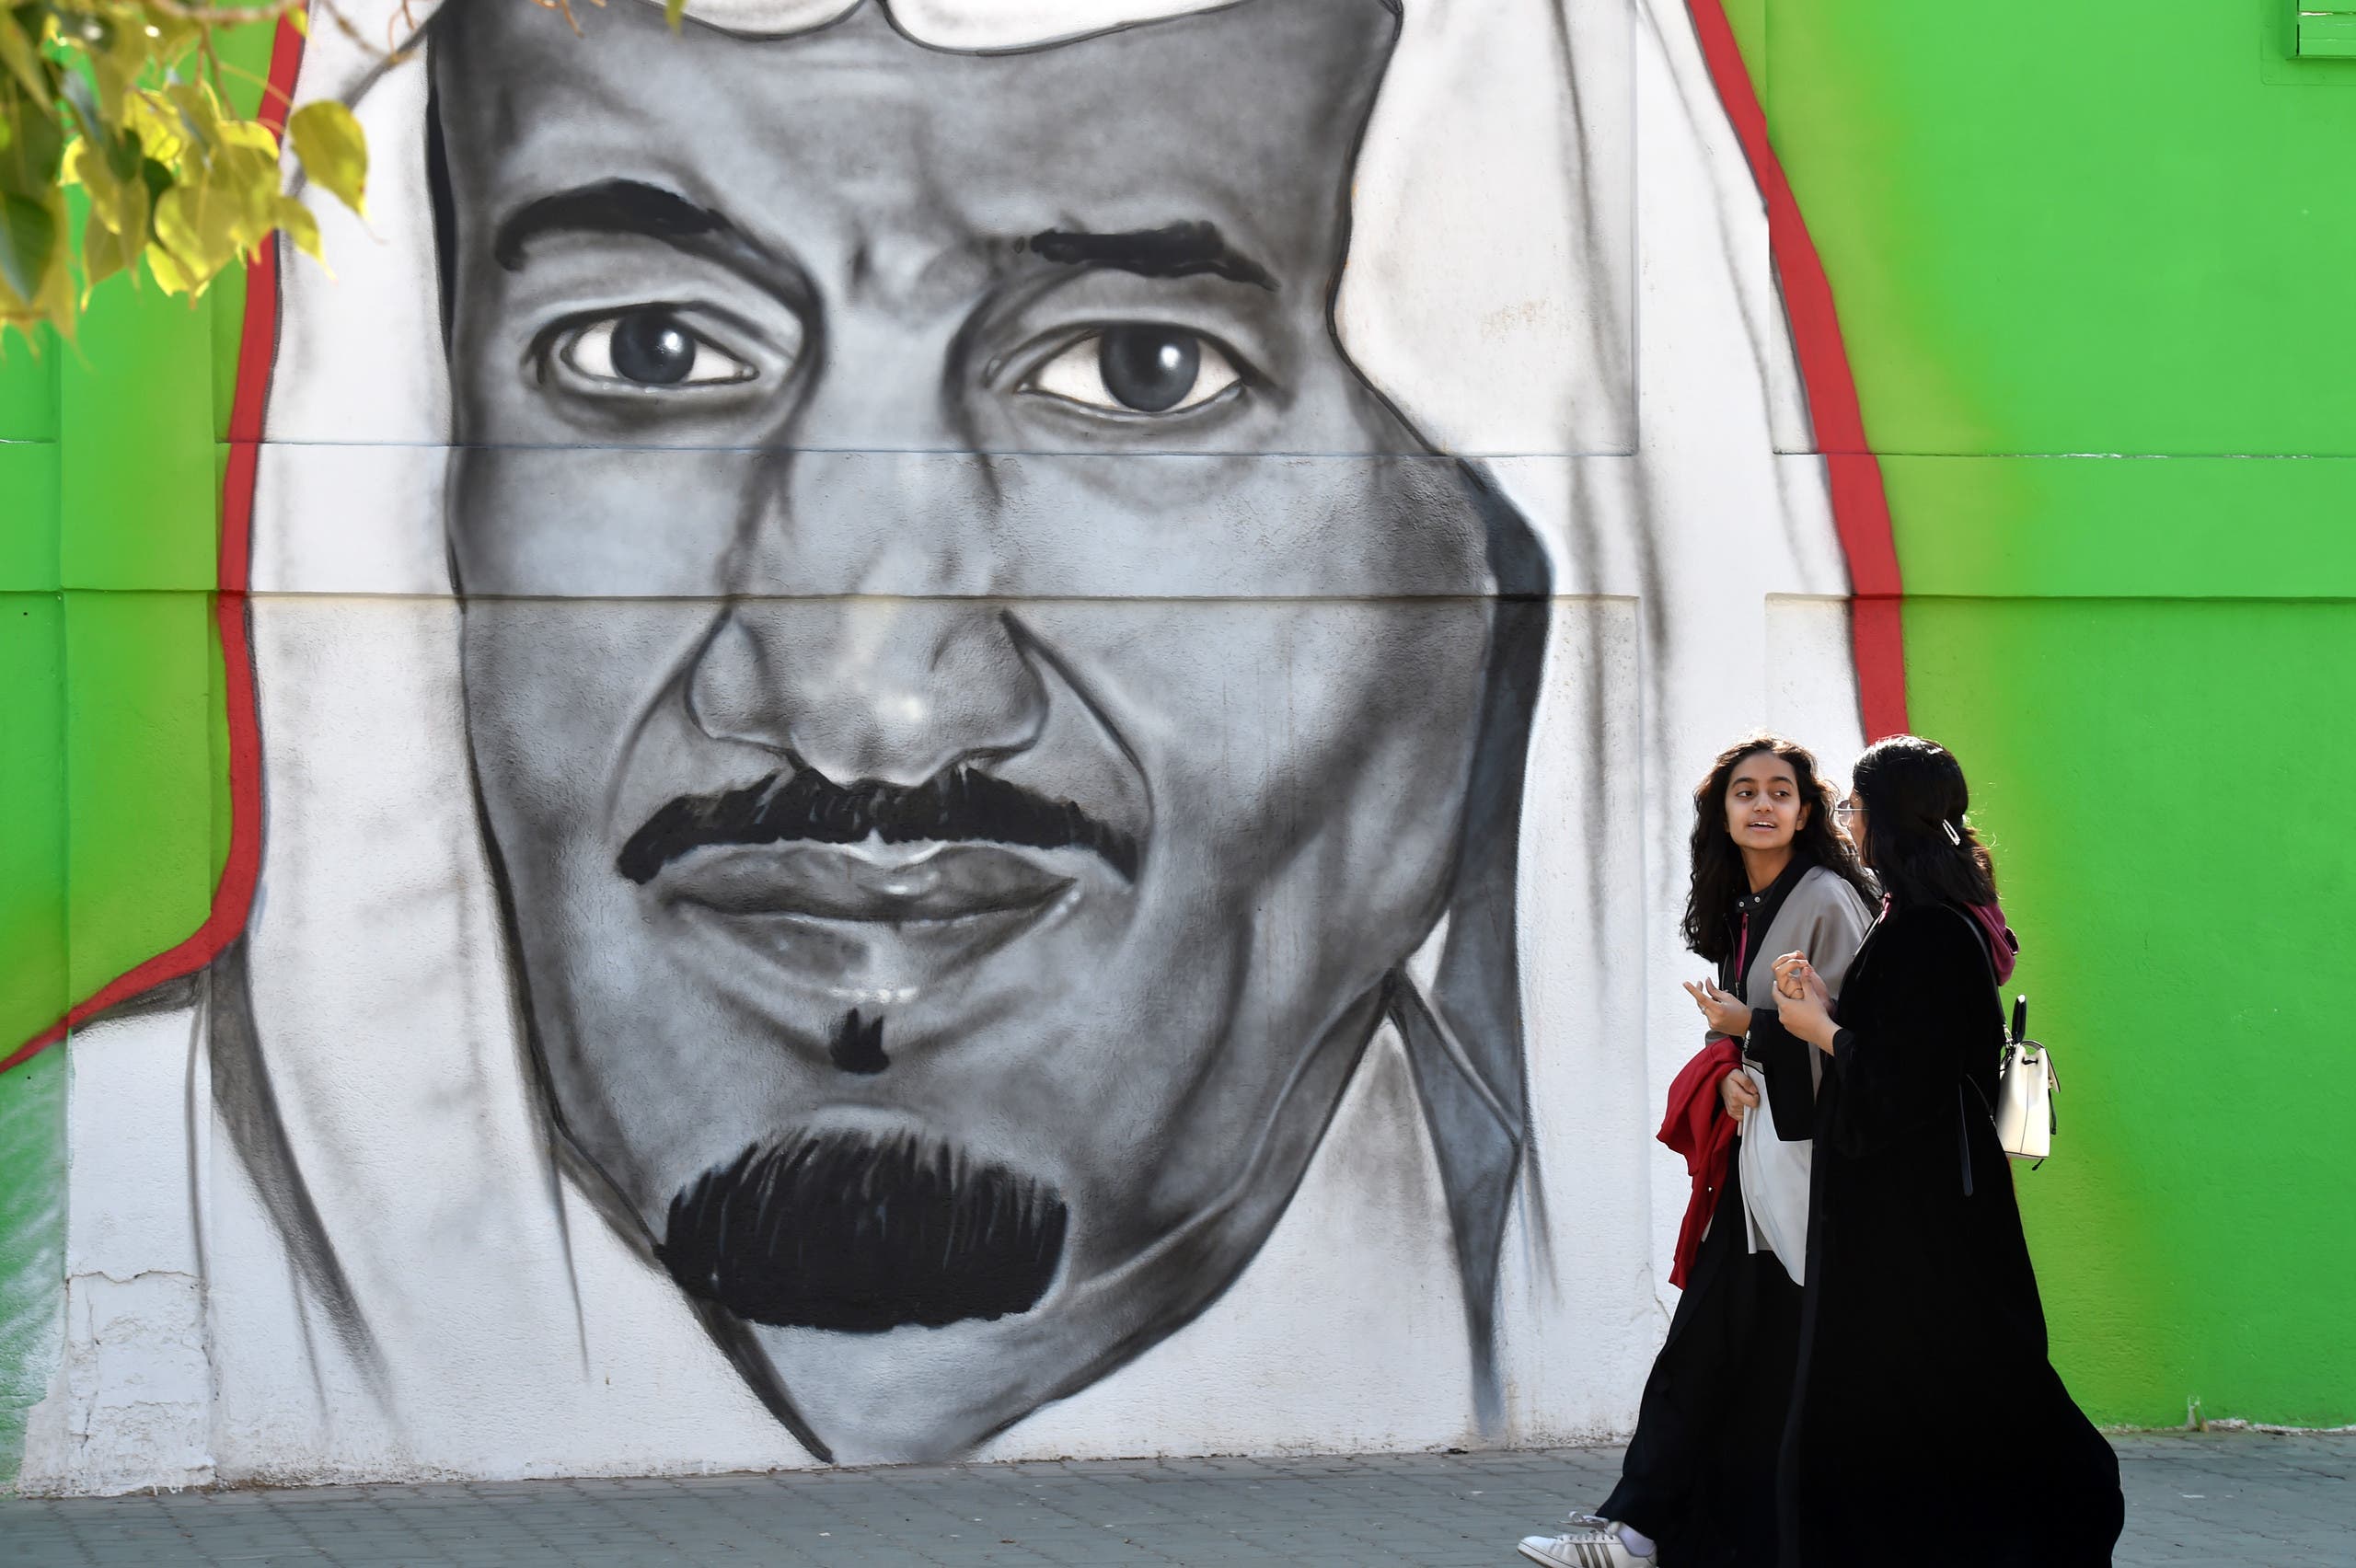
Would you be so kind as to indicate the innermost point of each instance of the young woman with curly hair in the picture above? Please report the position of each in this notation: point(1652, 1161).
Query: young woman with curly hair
point(1771, 874)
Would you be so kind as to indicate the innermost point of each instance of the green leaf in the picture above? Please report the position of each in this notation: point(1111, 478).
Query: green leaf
point(28, 238)
point(333, 150)
point(123, 155)
point(120, 64)
point(17, 54)
point(83, 30)
point(36, 147)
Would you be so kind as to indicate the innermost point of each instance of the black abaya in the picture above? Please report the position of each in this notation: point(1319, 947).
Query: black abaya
point(1927, 1427)
point(1700, 1472)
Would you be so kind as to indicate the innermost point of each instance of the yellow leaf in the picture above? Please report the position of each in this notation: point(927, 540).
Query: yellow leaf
point(170, 275)
point(249, 133)
point(333, 150)
point(117, 205)
point(198, 226)
point(158, 127)
point(300, 227)
point(127, 213)
point(198, 111)
point(246, 182)
point(104, 253)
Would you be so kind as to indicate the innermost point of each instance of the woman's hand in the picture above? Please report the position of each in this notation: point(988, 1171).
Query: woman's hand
point(1793, 974)
point(1802, 1003)
point(1738, 1094)
point(1723, 1010)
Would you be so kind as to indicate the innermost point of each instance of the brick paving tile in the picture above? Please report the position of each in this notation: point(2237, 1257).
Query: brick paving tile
point(2269, 1501)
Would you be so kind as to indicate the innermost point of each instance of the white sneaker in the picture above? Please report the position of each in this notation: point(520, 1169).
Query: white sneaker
point(1592, 1543)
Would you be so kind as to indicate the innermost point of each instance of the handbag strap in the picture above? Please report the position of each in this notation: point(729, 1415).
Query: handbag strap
point(1987, 958)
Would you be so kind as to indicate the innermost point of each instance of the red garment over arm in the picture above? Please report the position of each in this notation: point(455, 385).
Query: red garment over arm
point(1699, 1128)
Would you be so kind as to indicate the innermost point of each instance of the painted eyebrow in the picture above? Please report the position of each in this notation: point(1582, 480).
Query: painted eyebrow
point(1175, 250)
point(610, 206)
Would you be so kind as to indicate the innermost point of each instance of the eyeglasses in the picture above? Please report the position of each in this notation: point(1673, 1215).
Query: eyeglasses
point(1846, 810)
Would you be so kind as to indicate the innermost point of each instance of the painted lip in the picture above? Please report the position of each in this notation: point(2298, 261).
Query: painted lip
point(871, 915)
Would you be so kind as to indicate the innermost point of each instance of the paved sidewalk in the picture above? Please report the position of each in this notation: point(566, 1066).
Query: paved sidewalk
point(2248, 1499)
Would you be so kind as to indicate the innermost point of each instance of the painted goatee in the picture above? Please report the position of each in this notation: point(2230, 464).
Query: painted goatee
point(860, 1233)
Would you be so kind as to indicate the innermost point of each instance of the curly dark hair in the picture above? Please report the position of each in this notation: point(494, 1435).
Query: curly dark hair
point(1920, 848)
point(1718, 875)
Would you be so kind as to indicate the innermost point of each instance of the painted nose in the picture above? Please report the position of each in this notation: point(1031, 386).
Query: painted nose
point(864, 641)
point(891, 689)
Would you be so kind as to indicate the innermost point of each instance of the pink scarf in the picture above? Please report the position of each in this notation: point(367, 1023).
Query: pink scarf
point(2003, 946)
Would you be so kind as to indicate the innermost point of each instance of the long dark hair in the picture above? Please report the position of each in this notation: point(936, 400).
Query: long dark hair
point(1920, 848)
point(1718, 875)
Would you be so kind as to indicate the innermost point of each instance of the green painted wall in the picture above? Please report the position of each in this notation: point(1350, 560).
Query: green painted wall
point(2056, 229)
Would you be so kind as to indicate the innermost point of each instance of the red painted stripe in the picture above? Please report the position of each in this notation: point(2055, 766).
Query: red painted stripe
point(232, 895)
point(1860, 507)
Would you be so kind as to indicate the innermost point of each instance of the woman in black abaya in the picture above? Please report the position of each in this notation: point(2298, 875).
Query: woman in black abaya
point(1926, 1427)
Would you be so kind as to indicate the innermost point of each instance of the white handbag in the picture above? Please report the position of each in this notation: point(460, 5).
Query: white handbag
point(2026, 1121)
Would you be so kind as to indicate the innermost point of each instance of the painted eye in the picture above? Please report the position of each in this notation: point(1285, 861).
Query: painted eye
point(1136, 370)
point(650, 347)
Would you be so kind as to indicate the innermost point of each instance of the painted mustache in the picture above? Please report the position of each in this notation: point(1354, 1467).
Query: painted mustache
point(860, 1233)
point(956, 806)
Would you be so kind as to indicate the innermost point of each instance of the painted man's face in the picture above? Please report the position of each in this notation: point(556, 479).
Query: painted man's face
point(972, 691)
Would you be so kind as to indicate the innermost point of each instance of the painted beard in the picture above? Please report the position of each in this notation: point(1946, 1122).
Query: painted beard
point(859, 1233)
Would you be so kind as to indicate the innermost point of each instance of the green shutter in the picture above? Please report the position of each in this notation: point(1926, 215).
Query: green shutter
point(2327, 30)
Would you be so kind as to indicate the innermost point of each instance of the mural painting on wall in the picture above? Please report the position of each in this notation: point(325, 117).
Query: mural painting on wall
point(977, 673)
point(900, 952)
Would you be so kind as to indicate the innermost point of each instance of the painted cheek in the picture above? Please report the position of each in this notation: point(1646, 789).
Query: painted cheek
point(545, 698)
point(596, 524)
